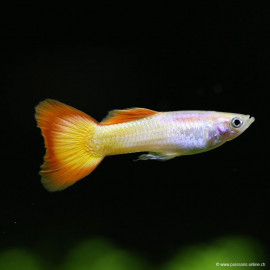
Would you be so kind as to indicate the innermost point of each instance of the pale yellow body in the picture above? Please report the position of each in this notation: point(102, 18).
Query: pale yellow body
point(147, 134)
point(168, 134)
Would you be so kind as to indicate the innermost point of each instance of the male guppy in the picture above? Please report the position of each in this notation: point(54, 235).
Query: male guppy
point(76, 143)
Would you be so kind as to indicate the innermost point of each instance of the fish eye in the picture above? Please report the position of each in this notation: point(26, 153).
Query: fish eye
point(237, 122)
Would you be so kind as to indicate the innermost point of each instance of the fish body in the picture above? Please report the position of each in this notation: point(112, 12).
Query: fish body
point(76, 143)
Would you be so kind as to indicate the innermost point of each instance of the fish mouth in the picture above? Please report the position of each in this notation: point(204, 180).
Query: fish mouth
point(251, 119)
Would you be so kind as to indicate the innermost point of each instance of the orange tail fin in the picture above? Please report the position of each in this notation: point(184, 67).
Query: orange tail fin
point(67, 132)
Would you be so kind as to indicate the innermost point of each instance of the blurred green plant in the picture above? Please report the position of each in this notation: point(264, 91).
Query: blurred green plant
point(19, 259)
point(211, 256)
point(100, 254)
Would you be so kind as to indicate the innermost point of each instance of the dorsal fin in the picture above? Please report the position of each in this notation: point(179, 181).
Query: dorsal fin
point(121, 116)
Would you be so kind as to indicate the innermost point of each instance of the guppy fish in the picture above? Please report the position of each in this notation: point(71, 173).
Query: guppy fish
point(76, 143)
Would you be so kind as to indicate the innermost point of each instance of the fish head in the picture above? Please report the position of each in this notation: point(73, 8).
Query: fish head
point(230, 125)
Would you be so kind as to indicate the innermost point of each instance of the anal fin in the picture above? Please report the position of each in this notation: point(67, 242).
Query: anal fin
point(161, 156)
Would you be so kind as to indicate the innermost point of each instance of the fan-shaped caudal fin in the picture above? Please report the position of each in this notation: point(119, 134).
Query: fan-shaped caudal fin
point(67, 133)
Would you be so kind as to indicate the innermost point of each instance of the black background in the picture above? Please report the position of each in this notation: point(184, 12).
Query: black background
point(162, 55)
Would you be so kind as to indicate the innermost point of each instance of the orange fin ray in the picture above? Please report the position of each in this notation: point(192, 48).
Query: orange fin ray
point(121, 116)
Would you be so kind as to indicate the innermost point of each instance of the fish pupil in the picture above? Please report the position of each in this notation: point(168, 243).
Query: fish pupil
point(237, 122)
